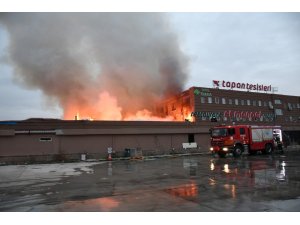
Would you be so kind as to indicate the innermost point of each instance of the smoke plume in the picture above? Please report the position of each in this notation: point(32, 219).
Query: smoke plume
point(105, 65)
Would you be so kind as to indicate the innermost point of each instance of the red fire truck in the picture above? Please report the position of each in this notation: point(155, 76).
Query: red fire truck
point(237, 139)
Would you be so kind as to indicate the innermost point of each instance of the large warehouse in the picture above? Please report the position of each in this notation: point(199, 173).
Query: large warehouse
point(48, 139)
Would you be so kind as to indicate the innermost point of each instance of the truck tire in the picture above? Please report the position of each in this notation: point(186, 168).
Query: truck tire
point(268, 149)
point(237, 151)
point(222, 154)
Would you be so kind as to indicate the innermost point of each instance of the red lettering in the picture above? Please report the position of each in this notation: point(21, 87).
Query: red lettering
point(243, 115)
point(228, 84)
point(223, 83)
point(226, 113)
point(216, 82)
point(234, 114)
point(247, 115)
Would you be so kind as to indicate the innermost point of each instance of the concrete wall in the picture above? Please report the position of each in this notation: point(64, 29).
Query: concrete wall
point(25, 144)
point(70, 144)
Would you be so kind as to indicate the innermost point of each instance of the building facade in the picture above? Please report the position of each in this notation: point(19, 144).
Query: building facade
point(48, 140)
point(196, 111)
point(236, 107)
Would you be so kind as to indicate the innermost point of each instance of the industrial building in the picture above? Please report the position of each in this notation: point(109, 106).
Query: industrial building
point(212, 106)
point(197, 108)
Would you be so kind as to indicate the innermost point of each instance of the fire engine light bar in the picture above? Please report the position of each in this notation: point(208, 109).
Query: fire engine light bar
point(225, 149)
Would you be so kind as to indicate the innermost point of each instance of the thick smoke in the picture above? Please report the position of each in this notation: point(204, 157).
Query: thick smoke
point(79, 58)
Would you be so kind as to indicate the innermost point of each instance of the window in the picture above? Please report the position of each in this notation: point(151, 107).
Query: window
point(209, 100)
point(290, 107)
point(45, 139)
point(265, 104)
point(254, 103)
point(259, 103)
point(219, 132)
point(242, 130)
point(223, 101)
point(248, 102)
point(236, 101)
point(277, 101)
point(202, 99)
point(231, 131)
point(242, 102)
point(298, 105)
point(191, 138)
point(217, 101)
point(270, 105)
point(230, 101)
point(278, 112)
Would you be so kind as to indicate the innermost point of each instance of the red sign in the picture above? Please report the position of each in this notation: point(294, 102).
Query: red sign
point(247, 86)
point(242, 114)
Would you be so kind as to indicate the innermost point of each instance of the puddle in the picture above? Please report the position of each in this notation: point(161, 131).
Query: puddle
point(186, 191)
point(105, 204)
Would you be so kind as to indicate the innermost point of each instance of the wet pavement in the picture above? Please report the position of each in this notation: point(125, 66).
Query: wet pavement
point(190, 183)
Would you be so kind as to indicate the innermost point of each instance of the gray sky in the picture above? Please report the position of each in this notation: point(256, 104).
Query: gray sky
point(259, 48)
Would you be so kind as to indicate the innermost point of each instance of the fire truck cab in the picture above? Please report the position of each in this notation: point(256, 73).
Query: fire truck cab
point(237, 139)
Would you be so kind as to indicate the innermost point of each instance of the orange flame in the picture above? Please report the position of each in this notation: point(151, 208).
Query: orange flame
point(107, 108)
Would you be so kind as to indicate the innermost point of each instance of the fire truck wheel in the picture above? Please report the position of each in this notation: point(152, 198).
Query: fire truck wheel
point(237, 151)
point(222, 154)
point(268, 149)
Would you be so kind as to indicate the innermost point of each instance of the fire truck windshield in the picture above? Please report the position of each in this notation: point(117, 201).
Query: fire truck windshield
point(219, 132)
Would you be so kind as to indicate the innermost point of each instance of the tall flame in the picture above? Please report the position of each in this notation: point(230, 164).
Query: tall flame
point(107, 108)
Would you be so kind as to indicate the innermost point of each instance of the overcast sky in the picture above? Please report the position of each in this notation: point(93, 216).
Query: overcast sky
point(259, 48)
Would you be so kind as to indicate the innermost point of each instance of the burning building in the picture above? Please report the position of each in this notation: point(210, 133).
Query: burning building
point(187, 130)
point(122, 76)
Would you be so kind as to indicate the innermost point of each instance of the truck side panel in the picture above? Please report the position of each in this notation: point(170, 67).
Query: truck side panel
point(260, 137)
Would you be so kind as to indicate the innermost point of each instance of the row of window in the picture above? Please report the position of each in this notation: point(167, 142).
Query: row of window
point(294, 119)
point(225, 119)
point(247, 102)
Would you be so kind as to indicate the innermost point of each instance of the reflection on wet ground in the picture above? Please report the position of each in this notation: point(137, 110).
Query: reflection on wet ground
point(194, 183)
point(185, 191)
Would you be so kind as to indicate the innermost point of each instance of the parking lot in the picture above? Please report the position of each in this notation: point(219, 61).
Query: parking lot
point(186, 183)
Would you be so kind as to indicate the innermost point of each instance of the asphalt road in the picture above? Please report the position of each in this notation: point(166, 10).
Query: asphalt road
point(187, 183)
